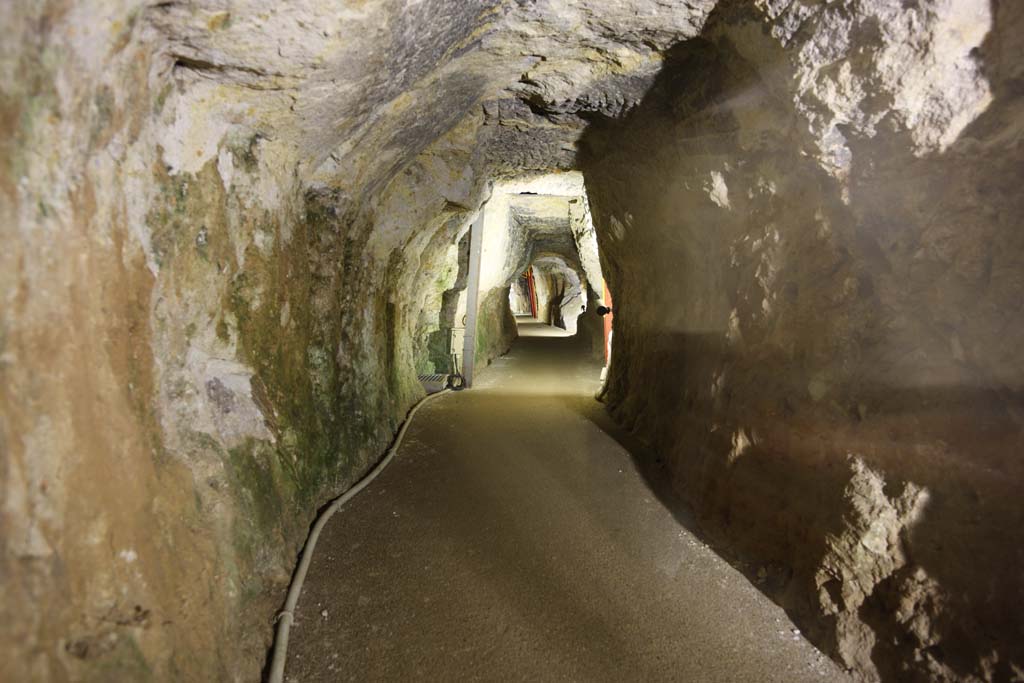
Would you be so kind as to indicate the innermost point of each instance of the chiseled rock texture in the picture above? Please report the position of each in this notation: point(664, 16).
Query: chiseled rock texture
point(234, 232)
point(812, 225)
point(231, 239)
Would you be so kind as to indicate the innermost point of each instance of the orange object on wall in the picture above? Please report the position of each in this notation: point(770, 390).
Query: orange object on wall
point(607, 323)
point(533, 291)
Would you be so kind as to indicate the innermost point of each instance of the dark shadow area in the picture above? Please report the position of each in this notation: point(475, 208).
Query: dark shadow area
point(740, 423)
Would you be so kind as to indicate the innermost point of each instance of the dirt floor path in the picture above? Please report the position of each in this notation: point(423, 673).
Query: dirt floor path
point(514, 538)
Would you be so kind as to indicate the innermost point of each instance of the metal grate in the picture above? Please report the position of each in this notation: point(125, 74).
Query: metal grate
point(433, 378)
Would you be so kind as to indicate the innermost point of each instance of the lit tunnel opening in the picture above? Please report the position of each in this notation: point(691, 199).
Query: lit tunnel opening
point(528, 265)
point(551, 293)
point(552, 267)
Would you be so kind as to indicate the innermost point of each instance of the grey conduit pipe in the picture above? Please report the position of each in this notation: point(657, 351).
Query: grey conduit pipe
point(287, 615)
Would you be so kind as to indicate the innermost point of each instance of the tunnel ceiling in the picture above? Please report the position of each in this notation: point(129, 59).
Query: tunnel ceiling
point(545, 221)
point(358, 91)
point(541, 213)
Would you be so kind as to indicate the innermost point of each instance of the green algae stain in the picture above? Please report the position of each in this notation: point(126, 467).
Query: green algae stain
point(245, 152)
point(125, 662)
point(253, 479)
point(161, 98)
point(330, 424)
point(223, 331)
point(103, 116)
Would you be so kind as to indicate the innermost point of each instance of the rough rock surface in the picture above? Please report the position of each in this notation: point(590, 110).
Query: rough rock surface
point(227, 224)
point(560, 292)
point(811, 228)
point(235, 232)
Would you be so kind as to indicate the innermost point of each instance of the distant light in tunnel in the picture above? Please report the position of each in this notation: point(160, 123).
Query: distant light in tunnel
point(531, 327)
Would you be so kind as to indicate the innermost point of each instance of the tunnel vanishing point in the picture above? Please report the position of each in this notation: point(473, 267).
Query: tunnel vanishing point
point(237, 234)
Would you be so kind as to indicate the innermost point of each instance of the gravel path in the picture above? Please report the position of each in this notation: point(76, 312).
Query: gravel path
point(514, 538)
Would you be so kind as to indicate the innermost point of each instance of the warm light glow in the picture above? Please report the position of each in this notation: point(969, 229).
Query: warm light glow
point(531, 327)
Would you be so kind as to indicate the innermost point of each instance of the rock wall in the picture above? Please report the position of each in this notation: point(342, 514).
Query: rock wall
point(560, 291)
point(496, 327)
point(519, 297)
point(229, 234)
point(199, 345)
point(811, 227)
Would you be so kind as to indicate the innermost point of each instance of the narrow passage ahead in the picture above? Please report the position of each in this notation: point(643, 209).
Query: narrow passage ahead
point(514, 538)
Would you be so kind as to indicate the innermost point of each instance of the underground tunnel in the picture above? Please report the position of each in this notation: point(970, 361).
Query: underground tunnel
point(243, 240)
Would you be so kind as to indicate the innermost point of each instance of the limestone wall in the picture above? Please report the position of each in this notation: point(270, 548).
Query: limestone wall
point(560, 291)
point(811, 227)
point(230, 238)
point(199, 344)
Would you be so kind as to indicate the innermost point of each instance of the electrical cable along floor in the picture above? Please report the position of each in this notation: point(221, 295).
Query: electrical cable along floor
point(513, 538)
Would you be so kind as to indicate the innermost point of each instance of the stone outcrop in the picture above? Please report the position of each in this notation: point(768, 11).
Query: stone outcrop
point(812, 237)
point(560, 292)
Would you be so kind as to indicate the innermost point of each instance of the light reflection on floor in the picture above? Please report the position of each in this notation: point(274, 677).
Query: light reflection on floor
point(529, 326)
point(544, 362)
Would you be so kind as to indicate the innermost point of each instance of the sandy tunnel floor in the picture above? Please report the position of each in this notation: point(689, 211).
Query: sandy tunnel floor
point(514, 538)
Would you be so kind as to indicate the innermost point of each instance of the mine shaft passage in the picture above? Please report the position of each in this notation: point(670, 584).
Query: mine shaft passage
point(503, 539)
point(762, 260)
